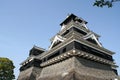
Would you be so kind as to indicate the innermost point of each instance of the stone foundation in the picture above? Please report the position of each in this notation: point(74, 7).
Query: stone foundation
point(29, 74)
point(74, 68)
point(77, 69)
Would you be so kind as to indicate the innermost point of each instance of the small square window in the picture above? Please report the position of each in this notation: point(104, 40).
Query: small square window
point(64, 50)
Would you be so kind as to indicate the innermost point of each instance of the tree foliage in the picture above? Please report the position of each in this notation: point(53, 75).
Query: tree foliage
point(6, 69)
point(101, 3)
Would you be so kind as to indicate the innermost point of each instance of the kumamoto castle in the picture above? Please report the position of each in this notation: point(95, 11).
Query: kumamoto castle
point(75, 53)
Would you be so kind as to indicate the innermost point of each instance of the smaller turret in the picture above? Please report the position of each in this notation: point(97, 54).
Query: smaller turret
point(32, 60)
point(36, 51)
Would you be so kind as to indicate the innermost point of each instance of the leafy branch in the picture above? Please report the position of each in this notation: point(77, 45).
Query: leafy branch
point(101, 3)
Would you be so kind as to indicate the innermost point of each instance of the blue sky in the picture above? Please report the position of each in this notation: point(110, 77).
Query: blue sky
point(24, 23)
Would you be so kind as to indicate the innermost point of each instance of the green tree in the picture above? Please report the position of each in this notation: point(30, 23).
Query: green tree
point(6, 69)
point(101, 3)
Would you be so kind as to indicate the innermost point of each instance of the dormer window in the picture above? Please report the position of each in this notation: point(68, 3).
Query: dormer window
point(92, 38)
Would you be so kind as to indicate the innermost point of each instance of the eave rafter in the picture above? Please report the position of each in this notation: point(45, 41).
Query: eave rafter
point(78, 53)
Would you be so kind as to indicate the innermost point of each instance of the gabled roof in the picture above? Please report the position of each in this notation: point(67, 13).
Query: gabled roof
point(36, 51)
point(92, 36)
point(38, 48)
point(57, 38)
point(72, 16)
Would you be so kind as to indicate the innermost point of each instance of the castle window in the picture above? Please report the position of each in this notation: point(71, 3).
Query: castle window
point(64, 50)
point(65, 33)
point(54, 55)
point(79, 31)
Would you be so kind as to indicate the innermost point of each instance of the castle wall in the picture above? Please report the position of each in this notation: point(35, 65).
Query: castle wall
point(57, 71)
point(77, 69)
point(29, 74)
point(87, 68)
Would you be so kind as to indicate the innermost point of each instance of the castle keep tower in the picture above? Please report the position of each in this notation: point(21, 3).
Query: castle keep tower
point(75, 53)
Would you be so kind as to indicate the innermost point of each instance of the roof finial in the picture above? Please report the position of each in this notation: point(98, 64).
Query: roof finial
point(68, 15)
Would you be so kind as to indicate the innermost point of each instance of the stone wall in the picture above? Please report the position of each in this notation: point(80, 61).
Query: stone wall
point(77, 69)
point(73, 68)
point(58, 71)
point(29, 74)
point(93, 69)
